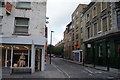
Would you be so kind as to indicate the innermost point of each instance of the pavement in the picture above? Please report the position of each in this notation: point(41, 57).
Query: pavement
point(50, 72)
point(60, 69)
point(112, 70)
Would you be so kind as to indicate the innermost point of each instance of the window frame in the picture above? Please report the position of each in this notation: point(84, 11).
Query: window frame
point(15, 25)
point(17, 7)
point(94, 15)
point(118, 19)
point(1, 24)
point(88, 18)
point(103, 9)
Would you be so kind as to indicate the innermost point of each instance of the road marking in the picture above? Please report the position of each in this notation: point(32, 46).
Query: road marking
point(84, 71)
point(98, 72)
point(59, 69)
point(90, 74)
point(88, 70)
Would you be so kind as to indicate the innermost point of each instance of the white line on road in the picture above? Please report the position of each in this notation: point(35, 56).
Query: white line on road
point(88, 70)
point(60, 70)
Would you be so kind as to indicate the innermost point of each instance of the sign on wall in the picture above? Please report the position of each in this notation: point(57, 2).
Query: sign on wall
point(8, 8)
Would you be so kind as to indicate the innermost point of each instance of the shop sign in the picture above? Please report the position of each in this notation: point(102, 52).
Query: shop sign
point(78, 46)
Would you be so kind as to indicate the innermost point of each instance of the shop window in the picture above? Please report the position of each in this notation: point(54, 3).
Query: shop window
point(118, 18)
point(21, 25)
point(23, 5)
point(1, 24)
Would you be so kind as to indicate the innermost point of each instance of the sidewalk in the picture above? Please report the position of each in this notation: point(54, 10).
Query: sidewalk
point(112, 70)
point(50, 72)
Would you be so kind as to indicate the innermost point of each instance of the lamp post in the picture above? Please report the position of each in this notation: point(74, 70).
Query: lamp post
point(51, 46)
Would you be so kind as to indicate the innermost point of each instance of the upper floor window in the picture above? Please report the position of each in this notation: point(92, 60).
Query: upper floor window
point(88, 32)
point(118, 18)
point(76, 34)
point(95, 29)
point(2, 4)
point(21, 25)
point(1, 24)
point(81, 29)
point(23, 5)
point(76, 14)
point(94, 11)
point(77, 24)
point(104, 24)
point(103, 6)
point(73, 19)
point(88, 17)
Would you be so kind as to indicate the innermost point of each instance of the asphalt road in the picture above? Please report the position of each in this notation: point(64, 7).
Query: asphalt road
point(72, 70)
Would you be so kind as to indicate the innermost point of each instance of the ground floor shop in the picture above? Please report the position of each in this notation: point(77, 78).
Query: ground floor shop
point(104, 51)
point(23, 57)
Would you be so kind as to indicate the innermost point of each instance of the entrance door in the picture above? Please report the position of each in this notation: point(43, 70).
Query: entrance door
point(38, 59)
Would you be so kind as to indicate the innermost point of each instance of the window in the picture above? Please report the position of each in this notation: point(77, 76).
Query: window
point(76, 34)
point(76, 14)
point(1, 24)
point(100, 50)
point(73, 19)
point(77, 24)
point(94, 11)
point(88, 32)
point(88, 17)
point(2, 4)
point(23, 5)
point(95, 29)
point(118, 18)
point(21, 25)
point(81, 29)
point(103, 6)
point(104, 24)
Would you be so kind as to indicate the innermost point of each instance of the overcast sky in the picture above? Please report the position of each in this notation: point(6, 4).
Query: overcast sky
point(59, 13)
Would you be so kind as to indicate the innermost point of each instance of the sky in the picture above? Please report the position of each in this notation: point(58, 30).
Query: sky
point(59, 13)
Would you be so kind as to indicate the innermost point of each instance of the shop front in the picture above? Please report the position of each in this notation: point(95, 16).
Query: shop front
point(22, 58)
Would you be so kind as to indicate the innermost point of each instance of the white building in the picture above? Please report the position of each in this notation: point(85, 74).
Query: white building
point(22, 35)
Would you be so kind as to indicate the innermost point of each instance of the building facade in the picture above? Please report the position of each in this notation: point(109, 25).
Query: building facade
point(102, 34)
point(74, 41)
point(22, 35)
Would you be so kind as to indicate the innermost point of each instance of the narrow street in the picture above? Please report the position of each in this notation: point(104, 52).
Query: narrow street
point(72, 70)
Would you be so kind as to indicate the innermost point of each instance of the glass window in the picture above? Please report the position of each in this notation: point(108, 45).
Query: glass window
point(104, 24)
point(23, 5)
point(2, 4)
point(103, 6)
point(88, 17)
point(1, 24)
point(88, 32)
point(76, 34)
point(95, 29)
point(21, 25)
point(118, 18)
point(94, 11)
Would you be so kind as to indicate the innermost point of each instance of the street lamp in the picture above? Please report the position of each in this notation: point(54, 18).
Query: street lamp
point(51, 46)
